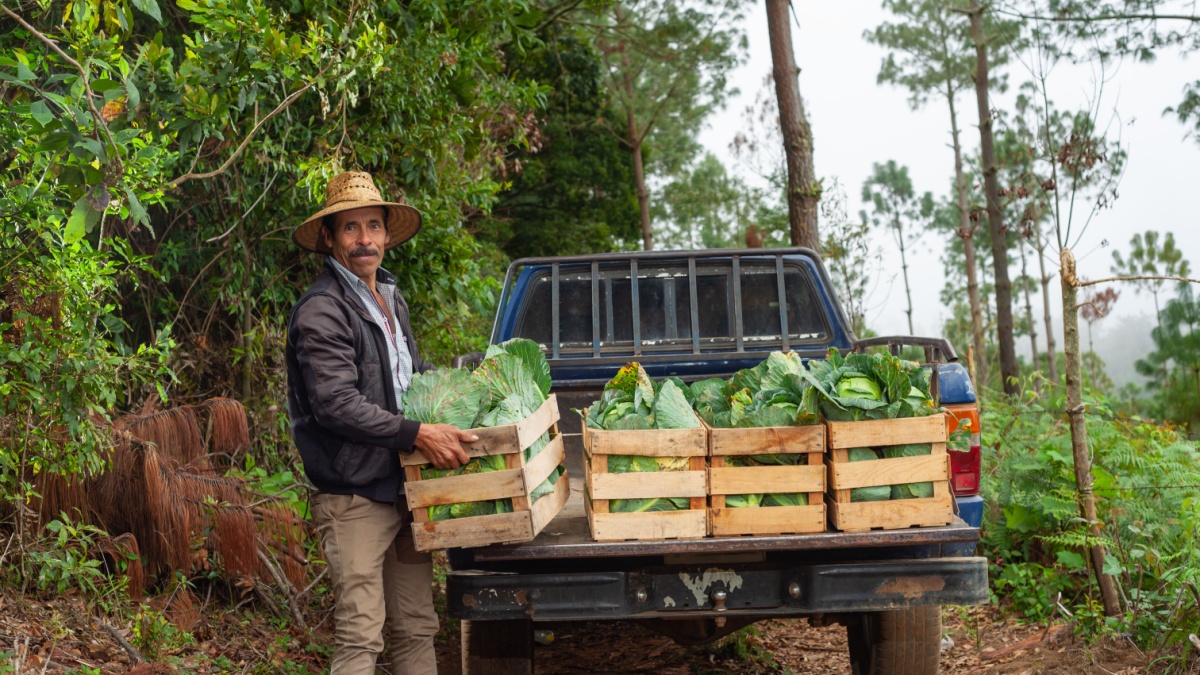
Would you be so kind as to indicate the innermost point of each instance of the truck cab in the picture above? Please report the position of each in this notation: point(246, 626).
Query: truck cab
point(695, 315)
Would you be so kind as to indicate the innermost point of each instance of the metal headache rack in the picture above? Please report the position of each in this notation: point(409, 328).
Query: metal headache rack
point(602, 269)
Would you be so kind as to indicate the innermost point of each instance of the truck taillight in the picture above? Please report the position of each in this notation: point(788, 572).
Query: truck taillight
point(964, 466)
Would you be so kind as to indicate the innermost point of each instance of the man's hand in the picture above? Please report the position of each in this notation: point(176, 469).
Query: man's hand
point(440, 444)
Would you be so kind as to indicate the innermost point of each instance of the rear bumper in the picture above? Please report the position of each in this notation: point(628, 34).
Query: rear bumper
point(677, 591)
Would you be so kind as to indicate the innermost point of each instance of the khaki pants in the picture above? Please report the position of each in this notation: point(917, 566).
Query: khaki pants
point(379, 581)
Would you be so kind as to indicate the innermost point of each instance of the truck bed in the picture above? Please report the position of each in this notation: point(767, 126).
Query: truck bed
point(567, 536)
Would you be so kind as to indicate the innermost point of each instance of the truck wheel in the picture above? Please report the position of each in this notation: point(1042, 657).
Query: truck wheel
point(497, 647)
point(901, 642)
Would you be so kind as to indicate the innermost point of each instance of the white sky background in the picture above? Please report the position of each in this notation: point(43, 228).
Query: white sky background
point(856, 122)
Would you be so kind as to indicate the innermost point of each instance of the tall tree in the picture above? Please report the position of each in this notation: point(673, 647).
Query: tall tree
point(1177, 346)
point(572, 177)
point(803, 188)
point(1147, 257)
point(931, 54)
point(897, 208)
point(1004, 318)
point(667, 63)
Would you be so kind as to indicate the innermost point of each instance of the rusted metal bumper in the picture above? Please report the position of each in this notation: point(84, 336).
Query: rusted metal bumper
point(749, 590)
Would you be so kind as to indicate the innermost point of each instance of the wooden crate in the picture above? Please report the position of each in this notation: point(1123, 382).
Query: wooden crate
point(603, 486)
point(735, 480)
point(516, 482)
point(892, 514)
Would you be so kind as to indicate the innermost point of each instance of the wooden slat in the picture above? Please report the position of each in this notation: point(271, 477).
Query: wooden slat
point(531, 428)
point(649, 442)
point(740, 480)
point(542, 465)
point(876, 433)
point(505, 439)
point(499, 528)
point(691, 524)
point(769, 520)
point(767, 440)
point(544, 509)
point(892, 514)
point(476, 487)
point(893, 471)
point(648, 485)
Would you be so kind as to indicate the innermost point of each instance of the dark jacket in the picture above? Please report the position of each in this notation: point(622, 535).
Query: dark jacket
point(340, 396)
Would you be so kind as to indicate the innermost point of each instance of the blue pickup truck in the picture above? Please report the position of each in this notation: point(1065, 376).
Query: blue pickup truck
point(700, 314)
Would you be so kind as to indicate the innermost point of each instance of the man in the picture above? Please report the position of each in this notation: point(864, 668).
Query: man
point(350, 357)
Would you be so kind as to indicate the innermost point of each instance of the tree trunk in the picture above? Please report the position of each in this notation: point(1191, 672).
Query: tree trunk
point(1029, 316)
point(639, 179)
point(904, 269)
point(803, 190)
point(247, 322)
point(1004, 317)
point(1052, 353)
point(966, 230)
point(1079, 432)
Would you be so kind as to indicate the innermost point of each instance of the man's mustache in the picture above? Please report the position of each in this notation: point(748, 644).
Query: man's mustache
point(363, 251)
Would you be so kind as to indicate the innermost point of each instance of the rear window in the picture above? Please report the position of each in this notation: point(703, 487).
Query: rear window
point(665, 307)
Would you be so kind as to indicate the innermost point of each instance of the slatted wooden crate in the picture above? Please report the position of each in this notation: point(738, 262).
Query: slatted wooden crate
point(516, 482)
point(602, 486)
point(736, 480)
point(892, 514)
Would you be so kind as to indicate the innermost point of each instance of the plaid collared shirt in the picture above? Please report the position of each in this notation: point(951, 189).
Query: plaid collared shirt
point(399, 358)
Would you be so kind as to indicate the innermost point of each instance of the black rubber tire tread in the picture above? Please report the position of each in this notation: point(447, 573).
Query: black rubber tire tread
point(900, 642)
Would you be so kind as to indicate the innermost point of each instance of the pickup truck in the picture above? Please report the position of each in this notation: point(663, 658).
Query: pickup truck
point(700, 314)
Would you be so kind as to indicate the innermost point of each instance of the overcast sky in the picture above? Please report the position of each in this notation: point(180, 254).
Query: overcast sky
point(856, 122)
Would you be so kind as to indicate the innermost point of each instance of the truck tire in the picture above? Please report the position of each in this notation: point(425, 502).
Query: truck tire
point(900, 642)
point(497, 647)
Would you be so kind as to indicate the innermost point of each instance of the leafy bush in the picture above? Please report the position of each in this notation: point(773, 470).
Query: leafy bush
point(1146, 479)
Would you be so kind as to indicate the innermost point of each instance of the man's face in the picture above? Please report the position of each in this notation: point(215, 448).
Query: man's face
point(359, 236)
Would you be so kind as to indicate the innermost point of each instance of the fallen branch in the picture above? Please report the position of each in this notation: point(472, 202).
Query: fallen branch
point(285, 587)
point(134, 656)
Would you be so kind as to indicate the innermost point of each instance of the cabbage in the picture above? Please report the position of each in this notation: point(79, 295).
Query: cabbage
point(631, 401)
point(771, 394)
point(858, 386)
point(445, 397)
point(910, 490)
point(509, 385)
point(878, 493)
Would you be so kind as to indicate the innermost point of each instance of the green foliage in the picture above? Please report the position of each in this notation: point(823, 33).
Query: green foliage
point(73, 562)
point(1177, 354)
point(1145, 479)
point(574, 178)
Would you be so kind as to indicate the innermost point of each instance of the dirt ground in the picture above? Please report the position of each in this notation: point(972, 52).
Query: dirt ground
point(63, 636)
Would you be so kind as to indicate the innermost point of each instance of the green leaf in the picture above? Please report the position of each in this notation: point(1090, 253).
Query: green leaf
point(104, 84)
point(83, 218)
point(136, 210)
point(1112, 566)
point(41, 112)
point(131, 90)
point(1072, 560)
point(150, 7)
point(24, 74)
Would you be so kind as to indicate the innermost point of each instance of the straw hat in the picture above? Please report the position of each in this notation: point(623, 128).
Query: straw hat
point(354, 190)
